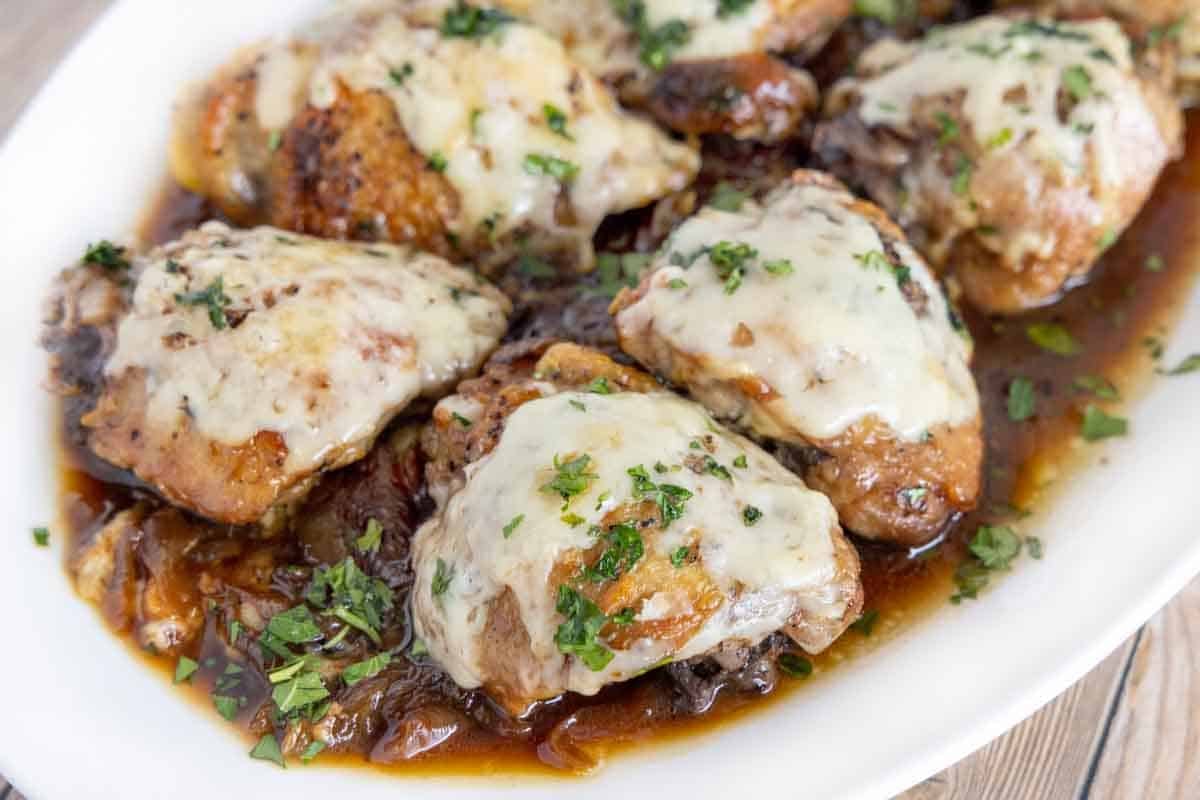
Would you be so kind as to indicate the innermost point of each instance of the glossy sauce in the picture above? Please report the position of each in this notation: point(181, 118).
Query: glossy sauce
point(1116, 317)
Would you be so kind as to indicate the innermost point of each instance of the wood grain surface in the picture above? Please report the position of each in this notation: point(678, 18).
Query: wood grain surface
point(1129, 729)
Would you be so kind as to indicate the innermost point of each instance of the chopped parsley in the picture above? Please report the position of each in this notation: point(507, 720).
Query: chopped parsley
point(1053, 337)
point(657, 44)
point(947, 128)
point(41, 537)
point(999, 139)
point(267, 749)
point(185, 668)
point(751, 515)
point(550, 166)
point(727, 197)
point(302, 690)
point(669, 498)
point(513, 524)
point(534, 267)
point(468, 21)
point(274, 140)
point(294, 626)
point(1099, 425)
point(346, 592)
point(1189, 364)
point(889, 12)
point(556, 120)
point(1107, 239)
point(572, 519)
point(729, 259)
point(677, 283)
point(571, 477)
point(1021, 399)
point(679, 556)
point(213, 297)
point(992, 548)
point(1050, 30)
point(866, 623)
point(1155, 263)
point(728, 8)
point(460, 419)
point(780, 266)
point(366, 669)
point(106, 254)
point(624, 547)
point(400, 74)
point(579, 635)
point(618, 270)
point(877, 260)
point(599, 386)
point(443, 576)
point(226, 706)
point(795, 666)
point(623, 617)
point(1097, 385)
point(740, 461)
point(1166, 32)
point(913, 496)
point(577, 405)
point(1034, 546)
point(960, 184)
point(1078, 82)
point(713, 467)
point(437, 161)
point(372, 536)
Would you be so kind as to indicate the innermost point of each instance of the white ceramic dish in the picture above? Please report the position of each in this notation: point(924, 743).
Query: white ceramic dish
point(82, 719)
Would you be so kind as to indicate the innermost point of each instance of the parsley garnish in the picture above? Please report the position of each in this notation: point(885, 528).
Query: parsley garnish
point(366, 669)
point(310, 752)
point(579, 635)
point(624, 617)
point(214, 297)
point(372, 536)
point(866, 623)
point(106, 254)
point(780, 266)
point(550, 166)
point(437, 161)
point(599, 386)
point(468, 21)
point(624, 546)
point(657, 44)
point(267, 749)
point(1155, 263)
point(999, 139)
point(1098, 385)
point(1021, 399)
point(274, 141)
point(751, 515)
point(556, 120)
point(571, 478)
point(1098, 425)
point(226, 706)
point(795, 666)
point(714, 467)
point(294, 626)
point(729, 259)
point(399, 75)
point(1163, 33)
point(995, 546)
point(728, 8)
point(1189, 364)
point(578, 406)
point(513, 524)
point(947, 128)
point(348, 593)
point(443, 576)
point(680, 555)
point(886, 11)
point(460, 419)
point(960, 184)
point(677, 283)
point(1052, 337)
point(302, 691)
point(669, 498)
point(41, 537)
point(1077, 81)
point(740, 461)
point(185, 668)
point(1034, 546)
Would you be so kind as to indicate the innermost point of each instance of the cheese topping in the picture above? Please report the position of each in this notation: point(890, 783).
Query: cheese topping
point(597, 37)
point(479, 109)
point(320, 341)
point(1014, 75)
point(768, 572)
point(830, 332)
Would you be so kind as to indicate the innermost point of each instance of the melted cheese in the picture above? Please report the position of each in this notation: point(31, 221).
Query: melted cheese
point(769, 572)
point(993, 58)
point(598, 38)
point(331, 338)
point(835, 339)
point(478, 104)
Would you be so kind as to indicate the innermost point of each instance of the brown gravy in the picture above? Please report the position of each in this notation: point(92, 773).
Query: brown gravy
point(1116, 316)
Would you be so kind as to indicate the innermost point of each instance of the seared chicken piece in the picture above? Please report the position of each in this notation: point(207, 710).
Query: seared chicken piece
point(1013, 149)
point(699, 67)
point(251, 361)
point(808, 320)
point(459, 131)
point(598, 533)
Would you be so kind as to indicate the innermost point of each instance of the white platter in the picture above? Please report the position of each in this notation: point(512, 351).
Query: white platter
point(81, 718)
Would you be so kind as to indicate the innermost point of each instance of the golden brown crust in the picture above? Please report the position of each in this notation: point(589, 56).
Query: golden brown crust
point(350, 172)
point(888, 488)
point(751, 96)
point(235, 484)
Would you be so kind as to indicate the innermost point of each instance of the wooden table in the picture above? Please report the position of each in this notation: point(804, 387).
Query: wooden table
point(1129, 729)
